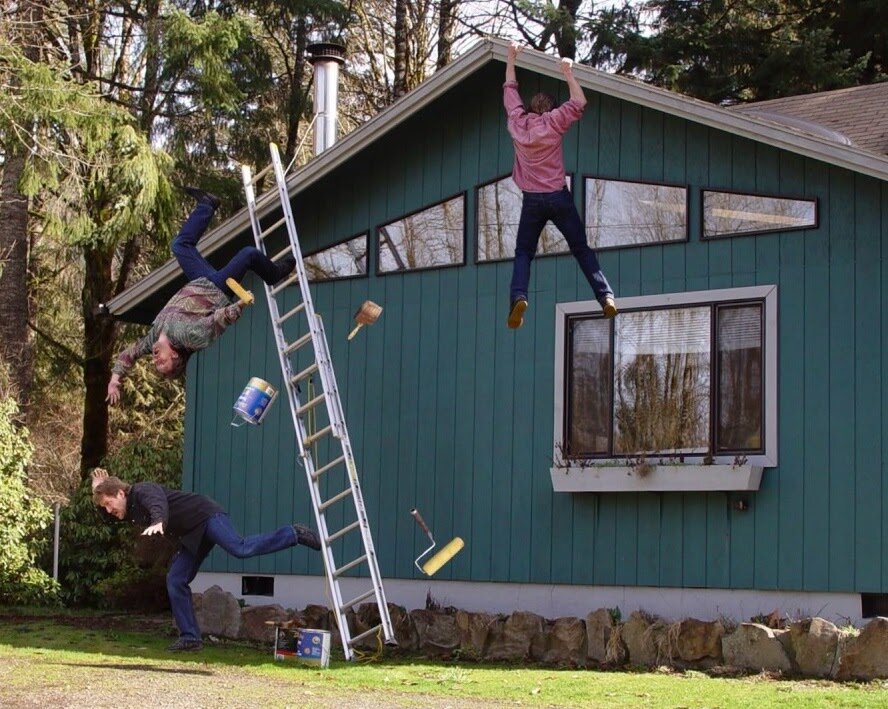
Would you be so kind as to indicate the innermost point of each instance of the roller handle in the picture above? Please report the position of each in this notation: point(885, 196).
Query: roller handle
point(421, 522)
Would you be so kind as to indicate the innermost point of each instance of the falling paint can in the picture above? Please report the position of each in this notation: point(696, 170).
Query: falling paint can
point(254, 402)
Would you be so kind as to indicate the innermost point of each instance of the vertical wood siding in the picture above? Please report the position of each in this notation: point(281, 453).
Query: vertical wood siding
point(451, 412)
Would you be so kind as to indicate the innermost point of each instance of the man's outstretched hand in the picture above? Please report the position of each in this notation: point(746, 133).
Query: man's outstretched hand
point(514, 49)
point(153, 529)
point(98, 475)
point(567, 66)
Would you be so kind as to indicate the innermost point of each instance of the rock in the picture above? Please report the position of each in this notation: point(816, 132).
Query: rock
point(699, 641)
point(566, 642)
point(637, 635)
point(520, 636)
point(218, 613)
point(756, 647)
point(474, 632)
point(405, 632)
point(866, 656)
point(253, 625)
point(438, 632)
point(599, 626)
point(812, 645)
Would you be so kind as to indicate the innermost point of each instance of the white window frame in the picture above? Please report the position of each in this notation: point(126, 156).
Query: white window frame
point(724, 472)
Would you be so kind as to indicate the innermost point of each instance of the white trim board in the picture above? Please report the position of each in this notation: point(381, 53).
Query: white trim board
point(558, 600)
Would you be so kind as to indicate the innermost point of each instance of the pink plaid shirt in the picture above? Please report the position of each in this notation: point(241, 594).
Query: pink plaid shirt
point(539, 161)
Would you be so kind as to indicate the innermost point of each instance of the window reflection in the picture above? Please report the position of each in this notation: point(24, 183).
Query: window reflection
point(343, 260)
point(726, 213)
point(499, 211)
point(740, 378)
point(661, 382)
point(432, 237)
point(622, 213)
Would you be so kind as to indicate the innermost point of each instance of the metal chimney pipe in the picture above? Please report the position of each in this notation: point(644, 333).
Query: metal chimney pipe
point(326, 57)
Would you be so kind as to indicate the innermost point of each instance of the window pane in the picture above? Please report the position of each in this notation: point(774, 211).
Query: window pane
point(589, 388)
point(661, 381)
point(432, 237)
point(728, 213)
point(633, 213)
point(740, 378)
point(340, 261)
point(499, 211)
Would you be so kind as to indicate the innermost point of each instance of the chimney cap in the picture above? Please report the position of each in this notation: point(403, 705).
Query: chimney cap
point(326, 50)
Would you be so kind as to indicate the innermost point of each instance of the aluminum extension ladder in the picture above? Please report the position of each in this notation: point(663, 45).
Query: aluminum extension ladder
point(309, 330)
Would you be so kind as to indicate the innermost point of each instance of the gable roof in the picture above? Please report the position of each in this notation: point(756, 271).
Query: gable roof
point(857, 113)
point(793, 138)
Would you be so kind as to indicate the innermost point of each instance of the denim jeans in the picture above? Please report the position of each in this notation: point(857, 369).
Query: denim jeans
point(186, 564)
point(195, 266)
point(537, 208)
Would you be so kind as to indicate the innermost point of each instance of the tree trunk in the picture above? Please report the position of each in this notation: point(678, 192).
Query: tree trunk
point(446, 28)
point(16, 345)
point(400, 83)
point(297, 99)
point(566, 32)
point(99, 336)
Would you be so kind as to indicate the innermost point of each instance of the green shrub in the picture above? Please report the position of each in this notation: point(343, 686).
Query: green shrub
point(97, 561)
point(23, 518)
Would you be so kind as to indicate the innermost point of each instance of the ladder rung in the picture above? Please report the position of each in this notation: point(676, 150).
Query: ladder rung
point(342, 532)
point(291, 313)
point(366, 634)
point(283, 252)
point(336, 498)
point(357, 599)
point(332, 464)
point(291, 280)
point(262, 173)
point(308, 371)
point(267, 231)
point(292, 347)
point(350, 565)
point(308, 405)
point(316, 436)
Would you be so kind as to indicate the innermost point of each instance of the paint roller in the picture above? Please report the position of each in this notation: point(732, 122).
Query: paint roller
point(447, 552)
point(367, 314)
point(242, 293)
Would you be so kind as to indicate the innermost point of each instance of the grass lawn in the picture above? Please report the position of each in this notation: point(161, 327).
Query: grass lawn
point(96, 661)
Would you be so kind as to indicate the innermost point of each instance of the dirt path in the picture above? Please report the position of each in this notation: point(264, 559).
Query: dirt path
point(110, 683)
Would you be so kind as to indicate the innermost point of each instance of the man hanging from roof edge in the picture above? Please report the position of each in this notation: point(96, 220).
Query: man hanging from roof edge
point(538, 172)
point(198, 313)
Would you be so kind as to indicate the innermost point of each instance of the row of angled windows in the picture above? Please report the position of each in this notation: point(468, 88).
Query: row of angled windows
point(618, 213)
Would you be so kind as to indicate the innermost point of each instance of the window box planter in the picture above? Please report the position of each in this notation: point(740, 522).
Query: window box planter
point(656, 478)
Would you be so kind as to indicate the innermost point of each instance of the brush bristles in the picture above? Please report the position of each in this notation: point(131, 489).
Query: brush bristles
point(448, 551)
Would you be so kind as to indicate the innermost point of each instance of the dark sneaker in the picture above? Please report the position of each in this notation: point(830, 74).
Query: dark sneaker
point(516, 312)
point(186, 645)
point(202, 196)
point(285, 267)
point(307, 537)
point(609, 307)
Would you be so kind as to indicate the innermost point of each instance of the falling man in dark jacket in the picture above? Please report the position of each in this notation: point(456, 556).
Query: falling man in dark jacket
point(198, 523)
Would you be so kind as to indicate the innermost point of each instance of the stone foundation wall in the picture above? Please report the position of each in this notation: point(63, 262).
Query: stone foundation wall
point(812, 647)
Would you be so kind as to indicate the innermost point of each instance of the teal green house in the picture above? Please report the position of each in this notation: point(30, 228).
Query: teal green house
point(717, 449)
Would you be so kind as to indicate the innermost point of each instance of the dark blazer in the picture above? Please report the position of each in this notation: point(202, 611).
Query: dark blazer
point(184, 514)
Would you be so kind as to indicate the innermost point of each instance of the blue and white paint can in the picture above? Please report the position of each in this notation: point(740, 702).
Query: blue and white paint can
point(254, 402)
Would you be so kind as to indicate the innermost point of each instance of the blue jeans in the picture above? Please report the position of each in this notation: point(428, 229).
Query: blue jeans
point(537, 208)
point(186, 564)
point(195, 266)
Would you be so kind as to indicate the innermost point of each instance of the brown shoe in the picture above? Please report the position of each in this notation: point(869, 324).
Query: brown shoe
point(609, 307)
point(516, 312)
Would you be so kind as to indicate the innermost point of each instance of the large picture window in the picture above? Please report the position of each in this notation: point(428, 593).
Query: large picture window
point(620, 213)
point(732, 213)
point(346, 259)
point(499, 211)
point(430, 238)
point(685, 377)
